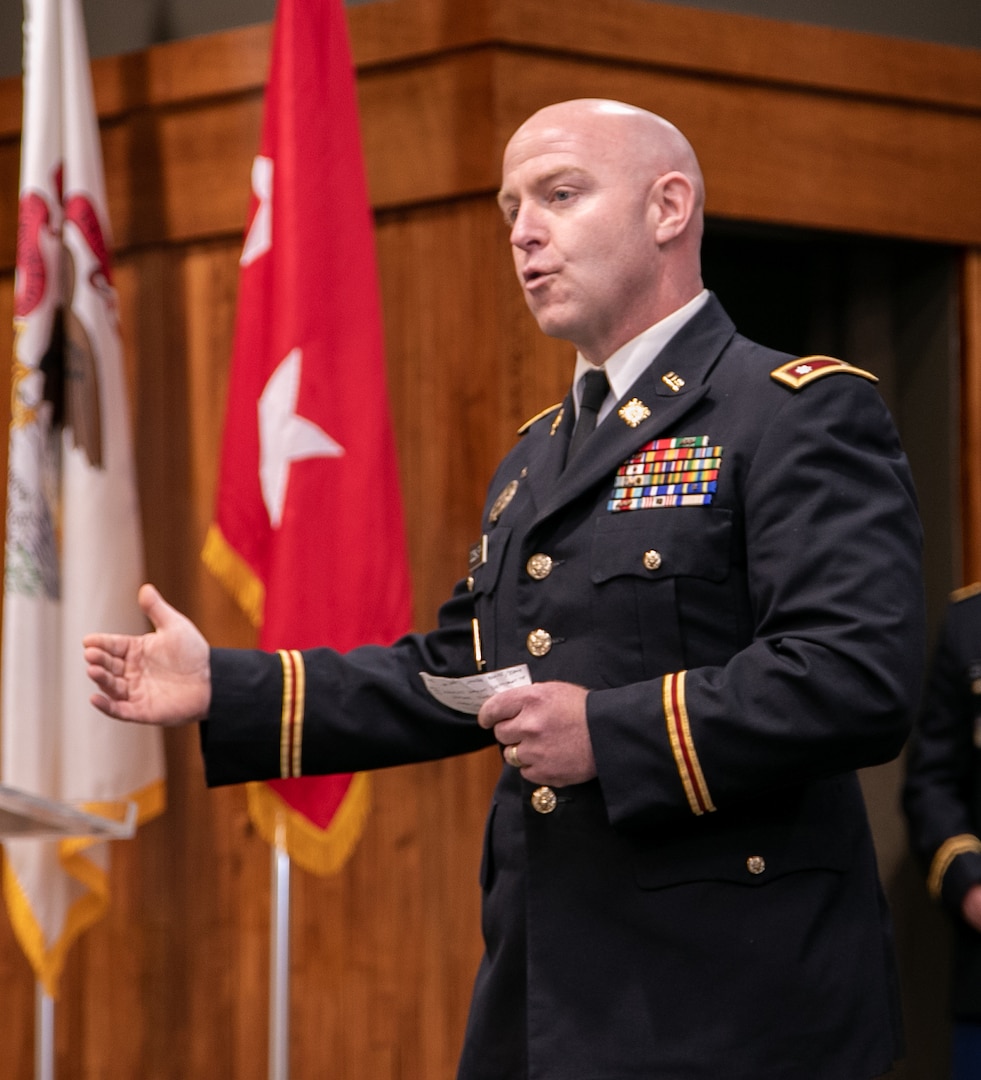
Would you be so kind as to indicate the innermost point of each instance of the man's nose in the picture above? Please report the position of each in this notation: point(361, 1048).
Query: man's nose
point(527, 229)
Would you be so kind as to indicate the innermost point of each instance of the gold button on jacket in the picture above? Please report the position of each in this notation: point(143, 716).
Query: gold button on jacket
point(652, 560)
point(544, 800)
point(539, 566)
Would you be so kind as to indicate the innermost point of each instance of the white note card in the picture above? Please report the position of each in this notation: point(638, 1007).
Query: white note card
point(468, 693)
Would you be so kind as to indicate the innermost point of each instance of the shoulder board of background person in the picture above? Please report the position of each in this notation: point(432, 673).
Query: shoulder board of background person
point(965, 592)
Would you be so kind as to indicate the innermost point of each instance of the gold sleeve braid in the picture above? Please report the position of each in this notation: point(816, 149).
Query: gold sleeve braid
point(682, 745)
point(946, 853)
point(291, 717)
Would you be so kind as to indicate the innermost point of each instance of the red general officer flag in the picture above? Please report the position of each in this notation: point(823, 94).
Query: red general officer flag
point(308, 529)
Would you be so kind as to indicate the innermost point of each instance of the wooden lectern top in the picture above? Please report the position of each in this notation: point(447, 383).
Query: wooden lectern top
point(23, 815)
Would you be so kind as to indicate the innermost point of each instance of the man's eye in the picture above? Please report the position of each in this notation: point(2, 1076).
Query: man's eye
point(562, 196)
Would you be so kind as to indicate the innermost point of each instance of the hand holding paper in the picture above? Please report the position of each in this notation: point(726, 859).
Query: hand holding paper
point(543, 724)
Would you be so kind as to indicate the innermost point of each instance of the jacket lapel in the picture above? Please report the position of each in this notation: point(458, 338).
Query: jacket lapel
point(550, 461)
point(676, 380)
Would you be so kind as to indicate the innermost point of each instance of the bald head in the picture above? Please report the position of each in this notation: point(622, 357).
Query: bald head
point(650, 144)
point(605, 204)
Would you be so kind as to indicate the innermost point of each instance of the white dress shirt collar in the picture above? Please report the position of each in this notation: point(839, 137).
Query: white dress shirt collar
point(625, 365)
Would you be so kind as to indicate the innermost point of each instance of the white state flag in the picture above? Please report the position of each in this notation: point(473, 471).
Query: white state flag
point(74, 553)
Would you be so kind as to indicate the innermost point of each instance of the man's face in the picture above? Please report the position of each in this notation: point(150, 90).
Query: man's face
point(576, 198)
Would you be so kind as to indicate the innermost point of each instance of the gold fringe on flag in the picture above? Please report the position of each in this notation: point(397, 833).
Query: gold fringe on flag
point(235, 574)
point(319, 851)
point(48, 959)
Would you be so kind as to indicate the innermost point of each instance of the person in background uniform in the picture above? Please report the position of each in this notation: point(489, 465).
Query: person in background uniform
point(942, 802)
point(717, 597)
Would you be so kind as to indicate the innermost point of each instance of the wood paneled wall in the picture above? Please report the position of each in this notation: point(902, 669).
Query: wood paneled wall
point(795, 125)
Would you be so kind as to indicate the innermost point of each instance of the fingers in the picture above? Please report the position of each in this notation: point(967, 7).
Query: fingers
point(117, 710)
point(512, 755)
point(104, 705)
point(544, 731)
point(502, 706)
point(108, 680)
point(105, 665)
point(154, 607)
point(104, 651)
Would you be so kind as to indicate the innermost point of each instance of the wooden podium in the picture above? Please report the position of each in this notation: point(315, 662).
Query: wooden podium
point(24, 816)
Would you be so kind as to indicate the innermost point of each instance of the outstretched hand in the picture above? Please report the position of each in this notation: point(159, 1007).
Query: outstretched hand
point(163, 677)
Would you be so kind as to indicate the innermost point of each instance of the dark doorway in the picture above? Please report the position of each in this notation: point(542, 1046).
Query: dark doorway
point(890, 307)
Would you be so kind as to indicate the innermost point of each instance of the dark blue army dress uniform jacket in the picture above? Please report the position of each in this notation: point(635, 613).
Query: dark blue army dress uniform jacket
point(751, 631)
point(942, 795)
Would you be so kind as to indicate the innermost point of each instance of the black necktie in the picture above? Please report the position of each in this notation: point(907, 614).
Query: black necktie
point(595, 387)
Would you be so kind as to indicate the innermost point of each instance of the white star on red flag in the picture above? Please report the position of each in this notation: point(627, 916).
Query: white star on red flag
point(284, 436)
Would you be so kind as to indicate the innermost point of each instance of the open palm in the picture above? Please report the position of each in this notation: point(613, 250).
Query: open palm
point(162, 677)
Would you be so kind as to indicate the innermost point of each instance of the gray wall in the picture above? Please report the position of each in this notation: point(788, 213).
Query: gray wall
point(119, 26)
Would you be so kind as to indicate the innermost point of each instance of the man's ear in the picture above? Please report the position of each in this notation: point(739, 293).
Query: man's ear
point(673, 203)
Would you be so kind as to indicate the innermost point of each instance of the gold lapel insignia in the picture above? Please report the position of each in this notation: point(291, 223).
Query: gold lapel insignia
point(673, 380)
point(633, 412)
point(556, 422)
point(501, 502)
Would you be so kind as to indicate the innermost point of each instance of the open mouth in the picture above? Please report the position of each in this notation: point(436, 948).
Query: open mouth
point(531, 277)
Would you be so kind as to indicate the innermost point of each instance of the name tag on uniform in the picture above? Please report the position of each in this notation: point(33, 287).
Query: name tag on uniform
point(477, 554)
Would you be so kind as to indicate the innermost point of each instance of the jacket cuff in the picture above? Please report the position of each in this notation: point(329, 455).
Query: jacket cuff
point(955, 867)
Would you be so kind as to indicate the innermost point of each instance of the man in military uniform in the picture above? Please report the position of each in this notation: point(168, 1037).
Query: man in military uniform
point(718, 600)
point(942, 800)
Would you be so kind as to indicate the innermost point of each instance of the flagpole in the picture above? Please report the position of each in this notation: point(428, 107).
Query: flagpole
point(279, 960)
point(43, 1034)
